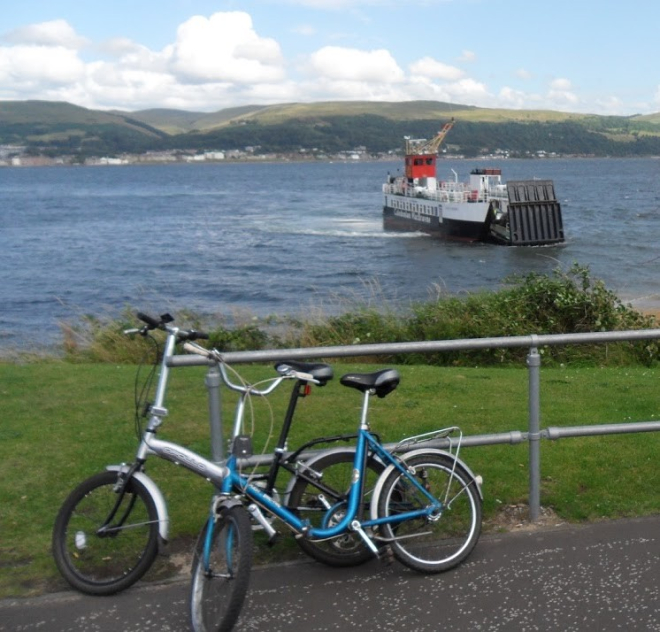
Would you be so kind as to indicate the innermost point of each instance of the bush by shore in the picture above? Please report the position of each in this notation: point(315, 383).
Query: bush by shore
point(562, 302)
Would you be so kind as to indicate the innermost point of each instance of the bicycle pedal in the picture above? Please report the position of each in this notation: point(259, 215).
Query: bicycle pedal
point(273, 540)
point(385, 555)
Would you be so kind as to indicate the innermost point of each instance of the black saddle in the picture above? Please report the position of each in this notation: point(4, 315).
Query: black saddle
point(382, 382)
point(322, 373)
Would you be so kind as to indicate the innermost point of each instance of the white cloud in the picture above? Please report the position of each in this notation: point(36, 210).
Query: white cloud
point(467, 56)
point(514, 99)
point(222, 60)
point(610, 105)
point(429, 67)
point(34, 65)
point(53, 33)
point(119, 46)
point(464, 91)
point(561, 96)
point(225, 47)
point(560, 85)
point(352, 64)
point(468, 91)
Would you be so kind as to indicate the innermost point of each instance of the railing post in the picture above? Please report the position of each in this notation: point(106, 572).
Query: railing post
point(213, 381)
point(534, 437)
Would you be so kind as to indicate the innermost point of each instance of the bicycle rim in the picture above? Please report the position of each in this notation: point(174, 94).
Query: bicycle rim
point(440, 542)
point(220, 580)
point(105, 563)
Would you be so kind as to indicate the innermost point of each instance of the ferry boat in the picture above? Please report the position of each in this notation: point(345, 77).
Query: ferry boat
point(516, 213)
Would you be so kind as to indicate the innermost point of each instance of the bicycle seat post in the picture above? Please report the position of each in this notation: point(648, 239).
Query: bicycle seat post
point(213, 381)
point(364, 415)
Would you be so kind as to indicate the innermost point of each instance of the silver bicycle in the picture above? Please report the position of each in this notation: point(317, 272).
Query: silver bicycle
point(110, 528)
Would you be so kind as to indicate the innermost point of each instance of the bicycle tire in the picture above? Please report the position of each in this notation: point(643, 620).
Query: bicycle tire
point(432, 545)
point(217, 595)
point(336, 469)
point(105, 564)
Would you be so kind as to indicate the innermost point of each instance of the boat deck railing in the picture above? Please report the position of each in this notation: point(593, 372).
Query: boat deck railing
point(446, 192)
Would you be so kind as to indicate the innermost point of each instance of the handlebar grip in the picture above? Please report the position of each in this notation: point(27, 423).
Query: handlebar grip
point(198, 335)
point(193, 335)
point(151, 322)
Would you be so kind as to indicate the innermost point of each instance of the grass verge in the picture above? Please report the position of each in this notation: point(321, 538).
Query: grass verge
point(62, 422)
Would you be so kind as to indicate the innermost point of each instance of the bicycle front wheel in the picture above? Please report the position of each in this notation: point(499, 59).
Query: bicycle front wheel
point(220, 577)
point(323, 499)
point(441, 541)
point(100, 561)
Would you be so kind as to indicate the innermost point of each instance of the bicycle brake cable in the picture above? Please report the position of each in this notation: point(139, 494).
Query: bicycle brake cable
point(141, 395)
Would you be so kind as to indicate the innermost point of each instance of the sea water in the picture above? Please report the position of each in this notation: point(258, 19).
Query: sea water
point(287, 239)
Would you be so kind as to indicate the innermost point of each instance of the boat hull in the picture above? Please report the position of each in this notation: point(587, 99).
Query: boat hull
point(442, 221)
point(523, 213)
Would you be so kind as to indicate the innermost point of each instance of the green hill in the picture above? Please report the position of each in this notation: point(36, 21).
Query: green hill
point(53, 127)
point(180, 121)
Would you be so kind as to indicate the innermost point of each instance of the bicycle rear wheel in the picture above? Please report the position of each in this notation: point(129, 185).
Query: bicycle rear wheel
point(324, 504)
point(220, 579)
point(436, 543)
point(105, 562)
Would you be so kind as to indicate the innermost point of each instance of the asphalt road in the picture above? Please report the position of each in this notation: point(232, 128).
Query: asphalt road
point(604, 576)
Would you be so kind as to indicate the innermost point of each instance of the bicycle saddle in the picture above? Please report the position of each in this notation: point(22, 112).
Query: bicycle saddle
point(322, 373)
point(383, 382)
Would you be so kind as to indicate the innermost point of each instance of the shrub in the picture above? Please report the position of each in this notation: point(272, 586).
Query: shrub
point(559, 303)
point(563, 302)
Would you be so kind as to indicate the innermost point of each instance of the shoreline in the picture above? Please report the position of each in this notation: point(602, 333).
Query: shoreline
point(648, 305)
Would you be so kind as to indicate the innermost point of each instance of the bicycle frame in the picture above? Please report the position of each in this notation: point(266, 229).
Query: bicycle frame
point(355, 495)
point(230, 481)
point(366, 441)
point(215, 471)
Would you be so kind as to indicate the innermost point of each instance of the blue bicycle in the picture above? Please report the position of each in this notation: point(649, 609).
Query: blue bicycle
point(425, 508)
point(344, 505)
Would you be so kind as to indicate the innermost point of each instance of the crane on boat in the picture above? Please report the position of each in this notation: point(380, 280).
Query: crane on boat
point(423, 147)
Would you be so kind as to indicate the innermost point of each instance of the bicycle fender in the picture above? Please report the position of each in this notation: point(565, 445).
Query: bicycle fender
point(373, 510)
point(156, 496)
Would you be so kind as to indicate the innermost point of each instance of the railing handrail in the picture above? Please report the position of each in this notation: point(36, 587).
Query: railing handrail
point(427, 346)
point(532, 342)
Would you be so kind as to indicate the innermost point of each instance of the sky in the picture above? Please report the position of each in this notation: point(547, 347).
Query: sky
point(577, 56)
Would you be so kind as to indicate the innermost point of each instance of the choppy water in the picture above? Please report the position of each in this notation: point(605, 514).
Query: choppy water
point(280, 238)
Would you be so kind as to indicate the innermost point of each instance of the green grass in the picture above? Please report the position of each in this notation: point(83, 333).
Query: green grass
point(62, 422)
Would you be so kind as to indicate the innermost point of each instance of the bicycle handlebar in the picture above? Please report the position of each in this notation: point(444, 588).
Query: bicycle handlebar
point(152, 323)
point(215, 355)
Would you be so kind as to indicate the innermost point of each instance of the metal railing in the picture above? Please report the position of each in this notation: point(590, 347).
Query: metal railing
point(534, 432)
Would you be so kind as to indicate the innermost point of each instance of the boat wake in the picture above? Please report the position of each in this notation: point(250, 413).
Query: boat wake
point(348, 234)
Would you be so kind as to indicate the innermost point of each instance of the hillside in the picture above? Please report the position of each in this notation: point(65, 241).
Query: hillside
point(180, 122)
point(61, 128)
point(56, 127)
point(399, 111)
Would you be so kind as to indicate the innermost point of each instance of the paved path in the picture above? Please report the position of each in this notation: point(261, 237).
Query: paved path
point(601, 577)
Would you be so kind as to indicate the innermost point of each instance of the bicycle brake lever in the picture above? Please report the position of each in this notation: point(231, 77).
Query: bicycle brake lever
point(213, 354)
point(191, 347)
